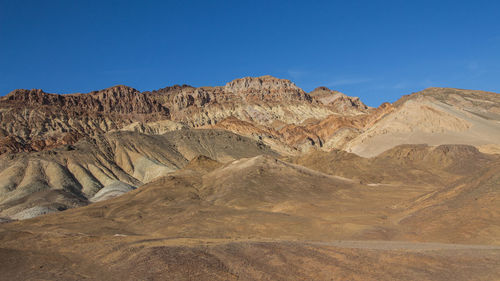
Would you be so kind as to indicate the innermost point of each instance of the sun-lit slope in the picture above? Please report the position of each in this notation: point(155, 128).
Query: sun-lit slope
point(267, 198)
point(261, 218)
point(179, 203)
point(326, 133)
point(118, 158)
point(254, 197)
point(403, 164)
point(434, 116)
point(266, 109)
point(462, 202)
point(467, 210)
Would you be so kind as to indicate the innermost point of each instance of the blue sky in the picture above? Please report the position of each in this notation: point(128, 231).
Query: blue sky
point(377, 50)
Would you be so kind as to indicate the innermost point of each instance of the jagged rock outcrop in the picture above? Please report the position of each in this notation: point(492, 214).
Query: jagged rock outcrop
point(261, 100)
point(32, 120)
point(218, 181)
point(341, 102)
point(272, 110)
point(266, 88)
point(115, 100)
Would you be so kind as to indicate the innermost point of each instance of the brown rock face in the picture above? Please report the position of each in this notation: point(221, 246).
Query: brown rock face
point(338, 100)
point(272, 194)
point(11, 144)
point(34, 120)
point(114, 100)
point(272, 110)
point(263, 101)
point(266, 88)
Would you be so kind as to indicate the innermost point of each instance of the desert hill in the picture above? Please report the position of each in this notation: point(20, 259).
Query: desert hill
point(405, 164)
point(249, 217)
point(114, 161)
point(32, 120)
point(254, 180)
point(265, 108)
point(461, 202)
point(434, 116)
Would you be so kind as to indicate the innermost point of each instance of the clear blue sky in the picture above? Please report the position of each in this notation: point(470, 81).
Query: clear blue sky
point(377, 50)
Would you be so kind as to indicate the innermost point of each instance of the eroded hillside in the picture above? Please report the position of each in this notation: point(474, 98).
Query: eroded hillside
point(254, 180)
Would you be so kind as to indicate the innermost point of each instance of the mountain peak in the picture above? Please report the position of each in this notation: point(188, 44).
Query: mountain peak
point(121, 88)
point(266, 82)
point(266, 88)
point(324, 91)
point(339, 100)
point(117, 90)
point(33, 96)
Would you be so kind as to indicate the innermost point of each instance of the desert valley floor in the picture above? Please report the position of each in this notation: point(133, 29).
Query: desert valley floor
point(254, 180)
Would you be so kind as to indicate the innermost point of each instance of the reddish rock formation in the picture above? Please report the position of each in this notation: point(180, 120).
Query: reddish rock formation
point(115, 100)
point(32, 120)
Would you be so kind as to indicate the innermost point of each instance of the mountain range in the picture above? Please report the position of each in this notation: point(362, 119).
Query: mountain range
point(254, 180)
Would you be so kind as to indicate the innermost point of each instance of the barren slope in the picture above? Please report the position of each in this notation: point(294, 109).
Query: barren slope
point(32, 120)
point(461, 204)
point(434, 116)
point(219, 203)
point(261, 219)
point(106, 162)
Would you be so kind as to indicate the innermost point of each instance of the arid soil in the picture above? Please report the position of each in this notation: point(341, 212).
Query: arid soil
point(254, 180)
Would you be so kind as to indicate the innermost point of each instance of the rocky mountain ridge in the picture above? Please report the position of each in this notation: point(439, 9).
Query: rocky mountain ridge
point(253, 180)
point(31, 120)
point(435, 116)
point(274, 111)
point(118, 100)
